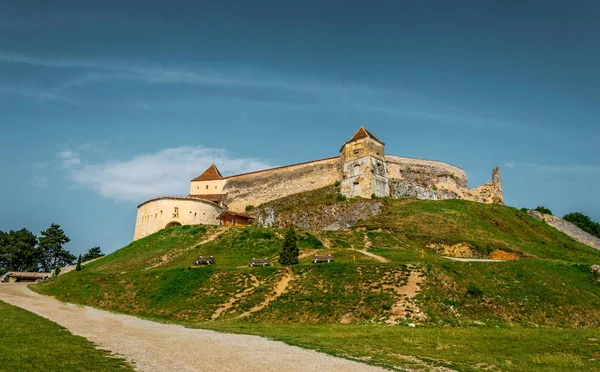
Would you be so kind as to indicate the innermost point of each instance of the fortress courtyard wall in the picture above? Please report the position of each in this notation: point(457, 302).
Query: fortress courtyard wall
point(156, 214)
point(260, 187)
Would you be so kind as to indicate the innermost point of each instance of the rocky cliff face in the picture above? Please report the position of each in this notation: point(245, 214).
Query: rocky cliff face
point(323, 209)
point(567, 228)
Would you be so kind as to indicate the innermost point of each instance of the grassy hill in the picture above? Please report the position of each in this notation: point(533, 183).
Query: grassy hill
point(388, 272)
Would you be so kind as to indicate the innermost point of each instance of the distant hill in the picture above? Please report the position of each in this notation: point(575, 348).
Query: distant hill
point(388, 269)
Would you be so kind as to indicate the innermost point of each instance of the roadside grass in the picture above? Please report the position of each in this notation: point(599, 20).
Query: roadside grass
point(31, 343)
point(462, 349)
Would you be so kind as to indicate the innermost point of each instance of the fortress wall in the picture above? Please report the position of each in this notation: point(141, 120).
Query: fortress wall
point(155, 214)
point(427, 174)
point(206, 187)
point(263, 186)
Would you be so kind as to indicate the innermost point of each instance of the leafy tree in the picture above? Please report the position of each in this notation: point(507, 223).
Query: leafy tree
point(18, 251)
point(289, 250)
point(78, 267)
point(56, 270)
point(92, 253)
point(51, 244)
point(584, 223)
point(543, 210)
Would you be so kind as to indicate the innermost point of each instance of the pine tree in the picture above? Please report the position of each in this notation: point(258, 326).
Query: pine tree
point(289, 250)
point(51, 244)
point(78, 267)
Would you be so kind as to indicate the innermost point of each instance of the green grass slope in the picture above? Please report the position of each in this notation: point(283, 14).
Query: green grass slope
point(540, 312)
point(32, 343)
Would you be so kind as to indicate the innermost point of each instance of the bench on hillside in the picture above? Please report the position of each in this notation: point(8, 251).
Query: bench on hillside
point(325, 258)
point(203, 260)
point(260, 262)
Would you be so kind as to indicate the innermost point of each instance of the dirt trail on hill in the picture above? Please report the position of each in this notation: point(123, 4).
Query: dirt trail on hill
point(166, 258)
point(229, 304)
point(155, 346)
point(280, 288)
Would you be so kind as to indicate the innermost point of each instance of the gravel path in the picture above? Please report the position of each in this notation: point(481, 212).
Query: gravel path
point(154, 346)
point(473, 259)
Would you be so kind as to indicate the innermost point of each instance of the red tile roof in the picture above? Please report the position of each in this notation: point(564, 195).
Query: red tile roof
point(211, 174)
point(235, 214)
point(363, 133)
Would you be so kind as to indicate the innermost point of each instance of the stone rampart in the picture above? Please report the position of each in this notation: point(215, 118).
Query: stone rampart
point(260, 187)
point(567, 228)
point(424, 179)
point(156, 214)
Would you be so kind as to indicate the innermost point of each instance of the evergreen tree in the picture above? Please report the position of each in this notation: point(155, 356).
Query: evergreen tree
point(93, 253)
point(18, 251)
point(289, 250)
point(78, 267)
point(57, 270)
point(51, 245)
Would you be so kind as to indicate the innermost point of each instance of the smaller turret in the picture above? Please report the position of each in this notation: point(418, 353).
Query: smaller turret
point(363, 167)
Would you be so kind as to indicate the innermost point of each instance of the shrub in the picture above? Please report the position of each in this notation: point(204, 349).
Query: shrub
point(340, 197)
point(249, 207)
point(543, 210)
point(584, 223)
point(337, 184)
point(474, 290)
point(78, 267)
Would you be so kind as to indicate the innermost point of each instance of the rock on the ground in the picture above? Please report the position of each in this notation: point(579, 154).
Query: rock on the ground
point(567, 228)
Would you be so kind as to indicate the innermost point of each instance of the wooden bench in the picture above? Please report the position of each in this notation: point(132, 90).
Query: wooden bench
point(325, 258)
point(260, 262)
point(202, 260)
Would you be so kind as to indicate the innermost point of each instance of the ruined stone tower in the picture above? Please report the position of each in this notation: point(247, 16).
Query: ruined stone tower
point(363, 166)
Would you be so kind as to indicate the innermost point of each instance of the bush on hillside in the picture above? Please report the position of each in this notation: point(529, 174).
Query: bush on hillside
point(543, 210)
point(584, 223)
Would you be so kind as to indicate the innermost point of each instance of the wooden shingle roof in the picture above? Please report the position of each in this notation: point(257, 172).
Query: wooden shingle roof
point(211, 174)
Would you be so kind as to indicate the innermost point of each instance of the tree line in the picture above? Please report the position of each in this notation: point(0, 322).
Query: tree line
point(578, 219)
point(21, 250)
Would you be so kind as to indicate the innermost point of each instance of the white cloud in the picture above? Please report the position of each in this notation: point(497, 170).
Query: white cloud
point(509, 164)
point(166, 172)
point(68, 158)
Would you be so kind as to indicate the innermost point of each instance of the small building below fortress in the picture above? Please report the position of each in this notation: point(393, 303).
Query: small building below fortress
point(362, 170)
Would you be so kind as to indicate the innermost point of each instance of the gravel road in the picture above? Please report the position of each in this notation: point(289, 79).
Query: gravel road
point(152, 346)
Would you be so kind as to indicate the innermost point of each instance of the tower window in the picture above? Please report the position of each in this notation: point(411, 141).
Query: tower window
point(207, 187)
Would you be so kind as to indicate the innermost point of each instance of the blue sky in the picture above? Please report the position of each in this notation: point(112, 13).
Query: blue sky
point(105, 105)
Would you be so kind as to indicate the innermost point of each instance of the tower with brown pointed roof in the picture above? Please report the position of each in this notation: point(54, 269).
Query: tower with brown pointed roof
point(364, 170)
point(209, 185)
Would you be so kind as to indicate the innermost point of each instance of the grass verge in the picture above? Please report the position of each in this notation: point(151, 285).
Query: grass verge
point(31, 343)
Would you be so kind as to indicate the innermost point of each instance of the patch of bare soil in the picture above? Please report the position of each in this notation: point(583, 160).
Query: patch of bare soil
point(459, 250)
point(305, 254)
point(372, 255)
point(178, 252)
point(280, 288)
point(367, 242)
point(503, 255)
point(406, 307)
point(229, 304)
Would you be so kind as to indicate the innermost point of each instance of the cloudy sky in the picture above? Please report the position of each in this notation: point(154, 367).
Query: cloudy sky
point(105, 105)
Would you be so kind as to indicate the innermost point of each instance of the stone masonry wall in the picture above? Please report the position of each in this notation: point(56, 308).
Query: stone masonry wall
point(263, 186)
point(424, 179)
point(567, 228)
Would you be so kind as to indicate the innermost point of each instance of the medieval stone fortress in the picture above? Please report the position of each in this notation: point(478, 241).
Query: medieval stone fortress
point(362, 170)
